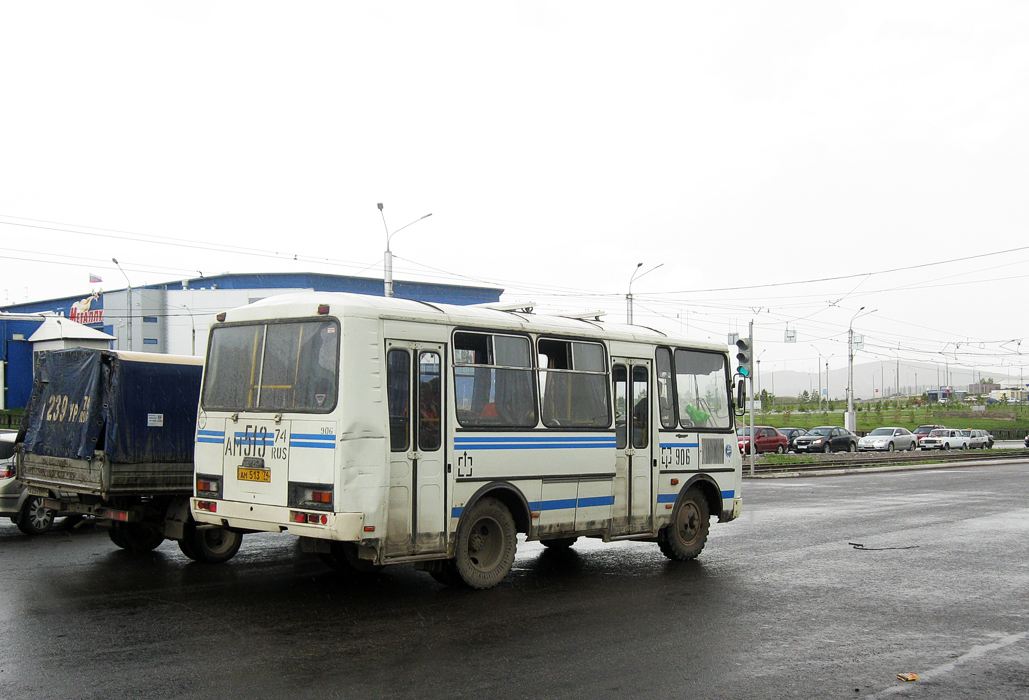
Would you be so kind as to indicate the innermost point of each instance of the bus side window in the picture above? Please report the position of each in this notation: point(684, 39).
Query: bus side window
point(398, 392)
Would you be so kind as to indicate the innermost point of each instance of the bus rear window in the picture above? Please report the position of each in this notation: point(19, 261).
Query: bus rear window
point(286, 366)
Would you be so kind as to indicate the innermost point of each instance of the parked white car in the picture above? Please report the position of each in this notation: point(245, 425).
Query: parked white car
point(978, 439)
point(25, 511)
point(944, 439)
point(888, 440)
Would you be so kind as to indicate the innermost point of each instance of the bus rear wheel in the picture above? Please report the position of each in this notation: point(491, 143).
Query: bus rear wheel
point(212, 545)
point(684, 538)
point(486, 541)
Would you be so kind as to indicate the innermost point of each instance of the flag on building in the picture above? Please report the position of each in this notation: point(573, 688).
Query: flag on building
point(94, 279)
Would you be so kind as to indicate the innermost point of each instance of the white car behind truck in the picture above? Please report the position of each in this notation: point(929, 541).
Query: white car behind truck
point(24, 510)
point(944, 439)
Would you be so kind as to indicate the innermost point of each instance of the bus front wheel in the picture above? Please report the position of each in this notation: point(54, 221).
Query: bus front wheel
point(684, 538)
point(486, 541)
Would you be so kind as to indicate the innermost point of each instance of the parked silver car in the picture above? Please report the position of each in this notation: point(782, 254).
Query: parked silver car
point(888, 440)
point(25, 511)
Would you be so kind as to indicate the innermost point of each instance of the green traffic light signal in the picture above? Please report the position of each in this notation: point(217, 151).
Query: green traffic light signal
point(745, 356)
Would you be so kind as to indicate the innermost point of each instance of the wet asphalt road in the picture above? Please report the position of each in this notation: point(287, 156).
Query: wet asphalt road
point(778, 606)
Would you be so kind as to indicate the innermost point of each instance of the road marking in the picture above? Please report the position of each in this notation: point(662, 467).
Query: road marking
point(971, 655)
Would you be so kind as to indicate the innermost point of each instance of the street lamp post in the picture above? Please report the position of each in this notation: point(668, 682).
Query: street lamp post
point(128, 296)
point(758, 362)
point(193, 349)
point(827, 380)
point(851, 417)
point(818, 371)
point(628, 297)
point(387, 262)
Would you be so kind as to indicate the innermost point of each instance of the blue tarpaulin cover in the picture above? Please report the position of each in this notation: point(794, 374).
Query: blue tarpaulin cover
point(135, 407)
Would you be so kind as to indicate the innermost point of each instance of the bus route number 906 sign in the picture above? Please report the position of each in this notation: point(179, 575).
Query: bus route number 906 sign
point(675, 457)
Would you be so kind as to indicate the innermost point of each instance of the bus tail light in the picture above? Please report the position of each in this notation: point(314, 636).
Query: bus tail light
point(310, 496)
point(296, 516)
point(209, 506)
point(208, 486)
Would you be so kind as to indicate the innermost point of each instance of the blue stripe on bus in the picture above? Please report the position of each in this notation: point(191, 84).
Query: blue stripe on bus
point(312, 436)
point(558, 504)
point(665, 445)
point(560, 438)
point(671, 497)
point(534, 443)
point(324, 442)
point(213, 436)
point(595, 501)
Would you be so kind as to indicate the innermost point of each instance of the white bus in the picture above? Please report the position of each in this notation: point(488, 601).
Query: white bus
point(384, 430)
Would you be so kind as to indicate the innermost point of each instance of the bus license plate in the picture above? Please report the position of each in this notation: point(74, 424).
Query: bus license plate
point(263, 475)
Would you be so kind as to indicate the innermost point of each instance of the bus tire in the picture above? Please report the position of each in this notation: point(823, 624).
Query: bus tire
point(212, 545)
point(486, 542)
point(34, 518)
point(138, 537)
point(560, 542)
point(684, 538)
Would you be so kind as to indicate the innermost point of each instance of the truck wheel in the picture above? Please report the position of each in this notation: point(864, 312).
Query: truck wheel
point(684, 538)
point(34, 518)
point(116, 535)
point(138, 537)
point(213, 545)
point(486, 542)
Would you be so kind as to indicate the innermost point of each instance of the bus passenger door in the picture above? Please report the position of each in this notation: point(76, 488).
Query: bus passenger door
point(417, 487)
point(633, 507)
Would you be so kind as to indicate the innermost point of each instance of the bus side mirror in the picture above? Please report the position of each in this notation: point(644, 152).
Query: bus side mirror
point(741, 395)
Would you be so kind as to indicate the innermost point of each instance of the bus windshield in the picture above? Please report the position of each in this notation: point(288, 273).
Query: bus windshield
point(284, 366)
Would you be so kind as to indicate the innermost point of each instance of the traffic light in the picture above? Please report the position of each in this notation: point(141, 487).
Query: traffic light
point(745, 356)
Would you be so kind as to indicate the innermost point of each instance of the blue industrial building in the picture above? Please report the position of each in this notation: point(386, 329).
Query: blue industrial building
point(173, 317)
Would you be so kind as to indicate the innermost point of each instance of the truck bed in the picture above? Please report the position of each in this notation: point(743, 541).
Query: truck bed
point(111, 423)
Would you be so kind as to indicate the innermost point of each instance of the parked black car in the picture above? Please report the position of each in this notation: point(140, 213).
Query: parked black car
point(827, 438)
point(792, 434)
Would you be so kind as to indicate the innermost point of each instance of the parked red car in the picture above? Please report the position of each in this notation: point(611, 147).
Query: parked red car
point(768, 440)
point(923, 431)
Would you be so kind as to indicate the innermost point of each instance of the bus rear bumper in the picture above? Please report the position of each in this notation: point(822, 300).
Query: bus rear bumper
point(346, 527)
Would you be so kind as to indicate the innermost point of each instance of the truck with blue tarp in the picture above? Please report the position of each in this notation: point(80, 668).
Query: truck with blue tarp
point(115, 430)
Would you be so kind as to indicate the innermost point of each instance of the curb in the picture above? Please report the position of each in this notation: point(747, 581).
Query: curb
point(843, 471)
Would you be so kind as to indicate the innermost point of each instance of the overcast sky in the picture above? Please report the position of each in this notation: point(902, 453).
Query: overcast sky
point(767, 155)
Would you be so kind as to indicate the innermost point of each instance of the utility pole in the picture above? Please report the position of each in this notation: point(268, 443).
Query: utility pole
point(753, 441)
